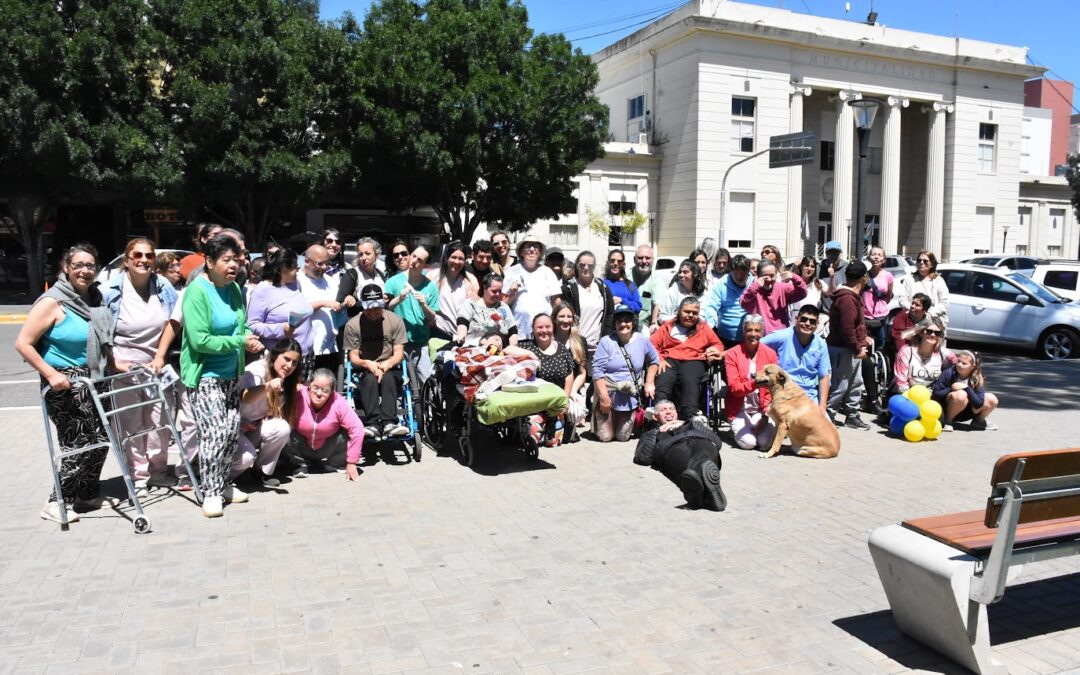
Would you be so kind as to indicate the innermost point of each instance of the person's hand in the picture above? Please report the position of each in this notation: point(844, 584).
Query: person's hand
point(650, 390)
point(60, 382)
point(352, 472)
point(959, 386)
point(405, 292)
point(420, 298)
point(156, 364)
point(616, 300)
point(603, 402)
point(663, 365)
point(713, 353)
point(333, 305)
point(253, 344)
point(274, 384)
point(350, 301)
point(786, 275)
point(861, 354)
point(289, 331)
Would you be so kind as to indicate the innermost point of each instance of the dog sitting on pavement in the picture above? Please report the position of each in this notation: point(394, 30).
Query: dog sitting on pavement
point(796, 416)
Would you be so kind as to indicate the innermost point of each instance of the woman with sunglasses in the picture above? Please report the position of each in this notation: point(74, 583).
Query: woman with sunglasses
point(922, 357)
point(398, 259)
point(806, 269)
point(926, 280)
point(140, 302)
point(623, 290)
point(772, 254)
point(332, 243)
point(66, 335)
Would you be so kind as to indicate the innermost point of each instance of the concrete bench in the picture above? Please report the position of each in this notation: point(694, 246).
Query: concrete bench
point(939, 573)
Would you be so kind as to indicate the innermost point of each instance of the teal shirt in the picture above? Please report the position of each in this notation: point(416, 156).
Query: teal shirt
point(416, 326)
point(64, 345)
point(222, 322)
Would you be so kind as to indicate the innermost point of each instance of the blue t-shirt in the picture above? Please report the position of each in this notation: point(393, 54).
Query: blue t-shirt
point(222, 322)
point(804, 365)
point(65, 343)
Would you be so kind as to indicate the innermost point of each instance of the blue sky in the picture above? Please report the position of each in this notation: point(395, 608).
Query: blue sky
point(1046, 27)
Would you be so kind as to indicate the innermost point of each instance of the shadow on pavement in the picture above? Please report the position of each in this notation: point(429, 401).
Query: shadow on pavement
point(1035, 385)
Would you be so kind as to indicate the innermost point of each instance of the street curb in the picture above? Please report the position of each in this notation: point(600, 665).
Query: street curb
point(12, 318)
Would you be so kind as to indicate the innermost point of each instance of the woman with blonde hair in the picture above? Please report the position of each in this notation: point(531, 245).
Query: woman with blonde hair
point(566, 333)
point(923, 356)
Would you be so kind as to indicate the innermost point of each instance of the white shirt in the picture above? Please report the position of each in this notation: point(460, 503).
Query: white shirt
point(591, 304)
point(324, 322)
point(534, 295)
point(669, 302)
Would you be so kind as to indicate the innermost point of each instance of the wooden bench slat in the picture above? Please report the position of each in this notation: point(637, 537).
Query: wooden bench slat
point(1041, 464)
point(967, 532)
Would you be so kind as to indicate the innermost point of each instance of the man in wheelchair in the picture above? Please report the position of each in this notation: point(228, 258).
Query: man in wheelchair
point(375, 342)
point(686, 345)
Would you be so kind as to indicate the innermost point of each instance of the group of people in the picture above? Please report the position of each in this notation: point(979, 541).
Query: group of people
point(259, 347)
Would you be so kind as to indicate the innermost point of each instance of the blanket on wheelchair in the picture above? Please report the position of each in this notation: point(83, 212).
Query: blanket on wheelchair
point(483, 373)
point(501, 406)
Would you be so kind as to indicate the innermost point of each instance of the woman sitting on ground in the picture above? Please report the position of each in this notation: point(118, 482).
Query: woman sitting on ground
point(961, 391)
point(922, 357)
point(328, 433)
point(267, 411)
point(747, 402)
point(624, 360)
point(687, 282)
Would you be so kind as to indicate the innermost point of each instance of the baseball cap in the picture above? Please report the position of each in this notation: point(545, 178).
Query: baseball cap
point(623, 309)
point(371, 297)
point(555, 253)
point(833, 246)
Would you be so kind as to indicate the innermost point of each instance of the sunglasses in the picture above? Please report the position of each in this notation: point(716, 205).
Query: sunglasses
point(810, 321)
point(620, 263)
point(922, 261)
point(933, 332)
point(139, 255)
point(400, 254)
point(330, 240)
point(585, 266)
point(75, 267)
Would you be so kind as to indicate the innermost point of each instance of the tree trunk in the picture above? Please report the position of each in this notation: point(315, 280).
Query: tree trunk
point(30, 217)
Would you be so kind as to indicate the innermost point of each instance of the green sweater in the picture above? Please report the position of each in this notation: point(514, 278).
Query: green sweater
point(198, 344)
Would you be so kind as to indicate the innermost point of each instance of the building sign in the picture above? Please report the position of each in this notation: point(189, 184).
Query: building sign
point(862, 64)
point(161, 216)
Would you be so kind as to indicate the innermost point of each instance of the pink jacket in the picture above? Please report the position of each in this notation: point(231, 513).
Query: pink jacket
point(317, 426)
point(773, 305)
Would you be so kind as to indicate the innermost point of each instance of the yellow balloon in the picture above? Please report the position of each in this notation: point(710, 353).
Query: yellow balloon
point(931, 429)
point(930, 411)
point(914, 431)
point(919, 394)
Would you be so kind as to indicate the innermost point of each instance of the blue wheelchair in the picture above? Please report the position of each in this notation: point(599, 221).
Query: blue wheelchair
point(408, 405)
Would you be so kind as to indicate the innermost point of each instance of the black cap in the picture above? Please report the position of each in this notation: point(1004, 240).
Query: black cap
point(371, 297)
point(855, 270)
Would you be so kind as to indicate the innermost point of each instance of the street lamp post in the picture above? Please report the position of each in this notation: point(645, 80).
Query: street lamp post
point(1004, 235)
point(866, 110)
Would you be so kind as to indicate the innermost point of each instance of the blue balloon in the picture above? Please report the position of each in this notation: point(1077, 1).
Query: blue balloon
point(903, 408)
point(896, 425)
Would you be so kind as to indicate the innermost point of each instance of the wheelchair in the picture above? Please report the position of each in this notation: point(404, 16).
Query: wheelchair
point(445, 411)
point(713, 394)
point(408, 406)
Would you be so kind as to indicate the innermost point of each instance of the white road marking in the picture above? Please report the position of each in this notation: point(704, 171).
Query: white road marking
point(22, 407)
point(19, 381)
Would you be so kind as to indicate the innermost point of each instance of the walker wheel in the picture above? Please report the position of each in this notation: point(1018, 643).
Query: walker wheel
point(142, 525)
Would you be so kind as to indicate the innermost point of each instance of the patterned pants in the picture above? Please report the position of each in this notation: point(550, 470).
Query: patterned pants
point(216, 404)
point(77, 425)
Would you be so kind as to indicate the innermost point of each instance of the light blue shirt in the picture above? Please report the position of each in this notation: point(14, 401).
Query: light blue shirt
point(804, 365)
point(722, 310)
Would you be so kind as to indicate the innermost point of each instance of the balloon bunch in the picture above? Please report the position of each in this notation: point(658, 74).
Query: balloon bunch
point(914, 415)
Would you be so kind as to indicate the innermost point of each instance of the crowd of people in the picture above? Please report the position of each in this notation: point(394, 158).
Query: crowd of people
point(259, 348)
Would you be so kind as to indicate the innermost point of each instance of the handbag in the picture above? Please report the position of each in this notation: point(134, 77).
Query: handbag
point(639, 412)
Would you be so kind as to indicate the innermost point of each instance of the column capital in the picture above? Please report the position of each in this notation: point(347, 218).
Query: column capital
point(846, 95)
point(798, 88)
point(898, 101)
point(938, 106)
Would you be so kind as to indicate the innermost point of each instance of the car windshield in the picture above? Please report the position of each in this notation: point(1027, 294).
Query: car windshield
point(1035, 288)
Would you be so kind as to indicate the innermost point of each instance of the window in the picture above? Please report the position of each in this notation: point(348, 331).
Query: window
point(990, 287)
point(979, 251)
point(619, 208)
point(1021, 249)
point(956, 280)
point(1023, 264)
point(824, 227)
point(987, 136)
point(739, 220)
point(616, 234)
point(984, 227)
point(828, 157)
point(742, 123)
point(874, 158)
point(635, 107)
point(1053, 251)
point(1061, 279)
point(563, 235)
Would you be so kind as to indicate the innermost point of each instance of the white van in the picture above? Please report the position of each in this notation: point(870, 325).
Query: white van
point(1062, 278)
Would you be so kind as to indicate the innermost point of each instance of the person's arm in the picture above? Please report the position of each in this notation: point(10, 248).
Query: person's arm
point(633, 298)
point(646, 448)
point(711, 311)
point(739, 382)
point(650, 380)
point(943, 384)
point(905, 293)
point(168, 334)
point(349, 421)
point(599, 372)
point(941, 302)
point(749, 298)
point(430, 305)
point(347, 286)
point(513, 336)
point(823, 393)
point(888, 296)
point(258, 312)
point(569, 386)
point(395, 358)
point(578, 380)
point(42, 316)
point(900, 368)
point(797, 290)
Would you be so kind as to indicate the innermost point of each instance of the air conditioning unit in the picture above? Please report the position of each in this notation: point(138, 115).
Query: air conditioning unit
point(643, 139)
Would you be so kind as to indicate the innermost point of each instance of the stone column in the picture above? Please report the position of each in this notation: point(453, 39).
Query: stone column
point(890, 176)
point(935, 178)
point(845, 147)
point(795, 246)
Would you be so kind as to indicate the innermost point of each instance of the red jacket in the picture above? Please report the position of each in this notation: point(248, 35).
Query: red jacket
point(740, 384)
point(692, 349)
point(847, 327)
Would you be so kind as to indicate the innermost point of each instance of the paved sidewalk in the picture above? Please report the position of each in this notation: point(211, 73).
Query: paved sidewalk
point(581, 562)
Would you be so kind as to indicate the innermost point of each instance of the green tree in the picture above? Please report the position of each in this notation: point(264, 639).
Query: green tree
point(1073, 176)
point(77, 111)
point(462, 108)
point(252, 88)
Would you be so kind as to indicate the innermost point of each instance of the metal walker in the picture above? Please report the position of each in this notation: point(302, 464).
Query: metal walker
point(105, 389)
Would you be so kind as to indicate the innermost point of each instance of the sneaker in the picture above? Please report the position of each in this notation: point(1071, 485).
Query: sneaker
point(212, 507)
point(983, 425)
point(141, 492)
point(300, 471)
point(234, 495)
point(692, 488)
point(855, 422)
point(51, 511)
point(874, 408)
point(946, 426)
point(184, 484)
point(95, 503)
point(700, 418)
point(393, 429)
point(266, 481)
point(714, 496)
point(165, 480)
point(369, 432)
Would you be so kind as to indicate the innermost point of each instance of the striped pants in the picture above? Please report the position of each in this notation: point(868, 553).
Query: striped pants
point(77, 425)
point(216, 404)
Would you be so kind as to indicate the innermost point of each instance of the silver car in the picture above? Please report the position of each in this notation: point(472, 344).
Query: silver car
point(992, 305)
point(1025, 264)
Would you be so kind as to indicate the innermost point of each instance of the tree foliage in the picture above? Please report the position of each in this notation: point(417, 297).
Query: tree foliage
point(1073, 176)
point(252, 88)
point(77, 112)
point(464, 109)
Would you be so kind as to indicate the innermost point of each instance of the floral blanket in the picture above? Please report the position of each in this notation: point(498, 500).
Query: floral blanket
point(482, 372)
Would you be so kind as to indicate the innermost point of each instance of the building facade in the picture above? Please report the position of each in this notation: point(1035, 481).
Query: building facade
point(1055, 96)
point(708, 84)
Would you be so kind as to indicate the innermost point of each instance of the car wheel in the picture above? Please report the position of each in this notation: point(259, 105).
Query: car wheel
point(1058, 343)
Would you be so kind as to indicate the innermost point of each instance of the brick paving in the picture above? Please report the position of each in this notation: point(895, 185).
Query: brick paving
point(581, 562)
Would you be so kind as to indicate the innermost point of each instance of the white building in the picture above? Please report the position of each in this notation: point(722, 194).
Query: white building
point(710, 82)
point(1035, 140)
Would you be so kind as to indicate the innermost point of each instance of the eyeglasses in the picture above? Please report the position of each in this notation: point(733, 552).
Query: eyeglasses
point(935, 333)
point(586, 266)
point(75, 267)
point(331, 240)
point(319, 263)
point(321, 390)
point(808, 320)
point(501, 242)
point(923, 261)
point(617, 263)
point(175, 267)
point(400, 254)
point(139, 255)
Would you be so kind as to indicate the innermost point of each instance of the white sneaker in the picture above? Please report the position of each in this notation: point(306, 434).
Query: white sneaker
point(395, 430)
point(234, 495)
point(212, 507)
point(51, 511)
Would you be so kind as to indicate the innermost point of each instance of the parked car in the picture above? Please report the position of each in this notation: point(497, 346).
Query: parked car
point(992, 305)
point(896, 265)
point(1025, 264)
point(1060, 277)
point(105, 273)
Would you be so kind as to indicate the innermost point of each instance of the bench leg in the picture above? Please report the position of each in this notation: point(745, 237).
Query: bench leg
point(927, 584)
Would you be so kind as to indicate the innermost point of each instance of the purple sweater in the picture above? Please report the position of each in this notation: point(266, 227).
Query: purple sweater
point(269, 307)
point(772, 306)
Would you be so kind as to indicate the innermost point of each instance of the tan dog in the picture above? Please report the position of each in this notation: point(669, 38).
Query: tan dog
point(811, 432)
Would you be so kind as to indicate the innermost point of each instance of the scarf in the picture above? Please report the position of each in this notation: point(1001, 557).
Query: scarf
point(91, 310)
